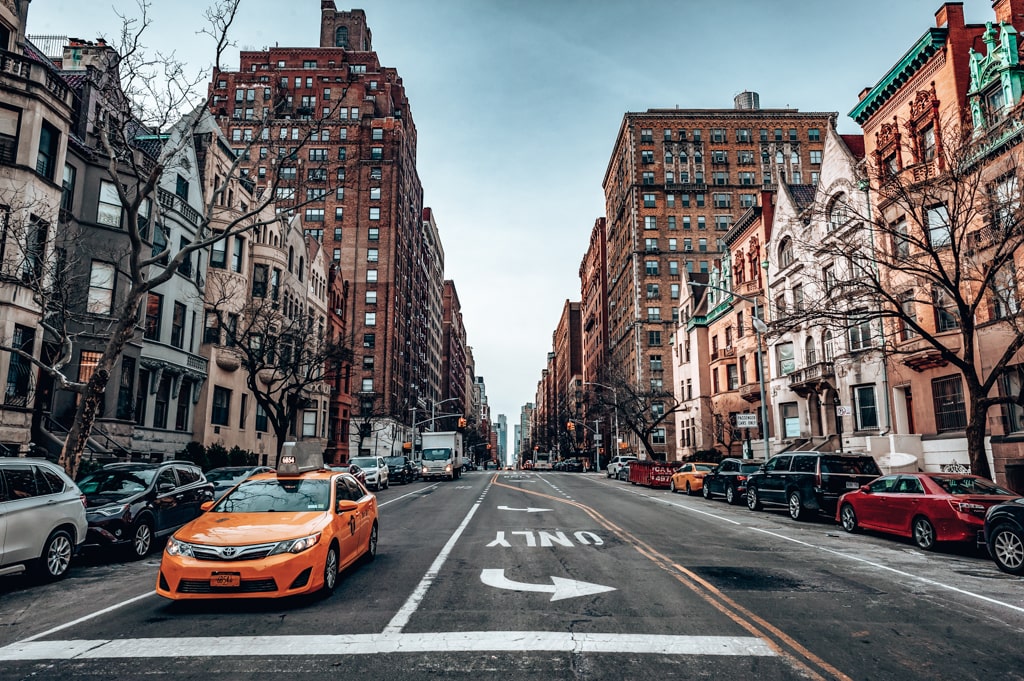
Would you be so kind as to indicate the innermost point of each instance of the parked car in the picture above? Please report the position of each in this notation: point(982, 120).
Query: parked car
point(130, 505)
point(573, 465)
point(690, 477)
point(400, 469)
point(42, 518)
point(616, 464)
point(353, 470)
point(375, 469)
point(276, 534)
point(729, 479)
point(227, 477)
point(927, 507)
point(1004, 535)
point(623, 471)
point(809, 481)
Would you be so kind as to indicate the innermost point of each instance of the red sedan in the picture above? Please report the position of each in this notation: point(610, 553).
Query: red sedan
point(926, 507)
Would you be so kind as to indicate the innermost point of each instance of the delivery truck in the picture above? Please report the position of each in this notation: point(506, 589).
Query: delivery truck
point(441, 455)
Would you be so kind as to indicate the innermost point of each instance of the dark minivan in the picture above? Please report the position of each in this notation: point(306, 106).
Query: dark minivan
point(808, 482)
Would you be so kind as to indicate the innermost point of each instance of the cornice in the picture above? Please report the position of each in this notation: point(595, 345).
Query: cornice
point(933, 40)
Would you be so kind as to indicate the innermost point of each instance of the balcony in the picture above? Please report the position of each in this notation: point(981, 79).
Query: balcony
point(723, 353)
point(810, 379)
point(751, 392)
point(748, 288)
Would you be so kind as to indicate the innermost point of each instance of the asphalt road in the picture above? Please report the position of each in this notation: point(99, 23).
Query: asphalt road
point(520, 575)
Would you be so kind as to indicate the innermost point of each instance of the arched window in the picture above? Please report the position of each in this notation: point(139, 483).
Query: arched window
point(291, 259)
point(810, 353)
point(785, 253)
point(302, 267)
point(341, 36)
point(838, 211)
point(828, 345)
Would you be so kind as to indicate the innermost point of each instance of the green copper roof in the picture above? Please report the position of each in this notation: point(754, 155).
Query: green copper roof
point(931, 42)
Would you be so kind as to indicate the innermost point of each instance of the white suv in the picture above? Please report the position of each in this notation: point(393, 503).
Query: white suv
point(615, 465)
point(376, 470)
point(42, 518)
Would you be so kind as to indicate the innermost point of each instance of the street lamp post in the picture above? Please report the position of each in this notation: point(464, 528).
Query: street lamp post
point(434, 405)
point(615, 397)
point(759, 328)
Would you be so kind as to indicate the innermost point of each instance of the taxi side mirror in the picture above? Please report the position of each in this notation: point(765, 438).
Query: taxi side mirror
point(346, 505)
point(206, 505)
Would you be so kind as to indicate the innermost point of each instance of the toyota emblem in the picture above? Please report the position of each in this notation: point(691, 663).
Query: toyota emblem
point(228, 552)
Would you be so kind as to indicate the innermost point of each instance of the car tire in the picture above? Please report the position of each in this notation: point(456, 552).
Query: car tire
point(672, 487)
point(796, 505)
point(848, 518)
point(706, 491)
point(923, 532)
point(753, 500)
point(371, 545)
point(55, 560)
point(331, 564)
point(730, 495)
point(141, 539)
point(1006, 544)
point(689, 490)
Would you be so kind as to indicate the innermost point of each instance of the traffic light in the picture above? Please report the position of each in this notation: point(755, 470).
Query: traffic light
point(407, 446)
point(462, 422)
point(570, 426)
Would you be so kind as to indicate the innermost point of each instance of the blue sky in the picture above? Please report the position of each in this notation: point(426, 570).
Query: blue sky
point(517, 104)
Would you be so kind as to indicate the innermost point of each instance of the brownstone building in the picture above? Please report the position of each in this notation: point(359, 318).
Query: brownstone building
point(454, 357)
point(676, 182)
point(339, 148)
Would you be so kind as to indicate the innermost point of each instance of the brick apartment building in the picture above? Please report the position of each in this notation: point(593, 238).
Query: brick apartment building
point(676, 182)
point(339, 148)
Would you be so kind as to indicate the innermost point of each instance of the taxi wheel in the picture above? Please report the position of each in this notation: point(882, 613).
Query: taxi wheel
point(331, 570)
point(371, 547)
point(689, 492)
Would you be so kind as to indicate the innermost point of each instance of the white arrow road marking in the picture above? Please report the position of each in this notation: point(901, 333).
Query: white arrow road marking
point(560, 588)
point(528, 510)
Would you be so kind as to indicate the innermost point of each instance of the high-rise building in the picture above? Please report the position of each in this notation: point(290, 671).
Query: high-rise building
point(676, 181)
point(329, 130)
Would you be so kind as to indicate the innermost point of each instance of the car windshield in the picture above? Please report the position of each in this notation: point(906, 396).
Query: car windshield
point(749, 467)
point(853, 466)
point(117, 482)
point(437, 454)
point(222, 474)
point(395, 460)
point(364, 461)
point(703, 467)
point(967, 485)
point(277, 495)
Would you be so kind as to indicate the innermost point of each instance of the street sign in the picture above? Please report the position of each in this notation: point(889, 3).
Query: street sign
point(746, 420)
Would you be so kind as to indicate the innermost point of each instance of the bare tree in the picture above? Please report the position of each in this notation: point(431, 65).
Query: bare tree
point(932, 268)
point(640, 411)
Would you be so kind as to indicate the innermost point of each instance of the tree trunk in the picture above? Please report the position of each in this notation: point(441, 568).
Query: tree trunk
point(975, 433)
point(85, 414)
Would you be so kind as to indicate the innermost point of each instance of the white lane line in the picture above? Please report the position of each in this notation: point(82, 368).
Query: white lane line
point(901, 573)
point(404, 613)
point(374, 644)
point(925, 580)
point(408, 494)
point(85, 618)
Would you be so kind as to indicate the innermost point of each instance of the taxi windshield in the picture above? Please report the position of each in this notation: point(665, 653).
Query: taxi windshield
point(277, 495)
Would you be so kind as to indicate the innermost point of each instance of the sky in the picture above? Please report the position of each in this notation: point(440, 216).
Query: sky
point(517, 104)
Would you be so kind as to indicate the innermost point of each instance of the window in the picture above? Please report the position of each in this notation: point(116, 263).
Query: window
point(647, 178)
point(182, 422)
point(314, 215)
point(375, 213)
point(101, 288)
point(828, 345)
point(646, 135)
point(732, 377)
point(154, 303)
point(722, 200)
point(828, 275)
point(865, 410)
point(945, 314)
point(162, 402)
point(654, 338)
point(126, 389)
point(646, 157)
point(366, 385)
point(813, 135)
point(178, 325)
point(317, 154)
point(785, 253)
point(373, 234)
point(259, 281)
point(859, 330)
point(218, 254)
point(371, 275)
point(649, 201)
point(371, 297)
point(221, 406)
point(651, 268)
point(653, 292)
point(785, 361)
point(939, 234)
point(370, 319)
point(926, 141)
point(721, 177)
point(702, 245)
point(46, 160)
point(900, 239)
point(238, 247)
point(790, 416)
point(19, 369)
point(798, 298)
point(654, 314)
point(650, 222)
point(1005, 301)
point(658, 436)
point(722, 222)
point(815, 157)
point(650, 245)
point(948, 402)
point(108, 211)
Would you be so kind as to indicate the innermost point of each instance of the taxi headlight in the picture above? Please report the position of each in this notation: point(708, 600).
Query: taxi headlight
point(110, 510)
point(296, 545)
point(176, 547)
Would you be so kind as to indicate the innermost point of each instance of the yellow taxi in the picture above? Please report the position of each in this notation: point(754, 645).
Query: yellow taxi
point(274, 534)
point(689, 477)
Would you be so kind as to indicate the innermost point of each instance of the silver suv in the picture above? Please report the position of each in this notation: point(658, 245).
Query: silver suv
point(42, 518)
point(616, 464)
point(376, 471)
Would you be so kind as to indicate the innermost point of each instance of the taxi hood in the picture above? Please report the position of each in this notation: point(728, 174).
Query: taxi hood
point(235, 529)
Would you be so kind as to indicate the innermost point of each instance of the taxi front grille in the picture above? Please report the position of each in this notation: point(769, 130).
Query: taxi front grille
point(221, 553)
point(248, 586)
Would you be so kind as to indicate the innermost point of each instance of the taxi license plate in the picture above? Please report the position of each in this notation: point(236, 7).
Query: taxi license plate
point(851, 485)
point(226, 579)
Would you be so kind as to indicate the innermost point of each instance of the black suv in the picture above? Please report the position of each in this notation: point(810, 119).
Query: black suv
point(809, 481)
point(400, 469)
point(131, 504)
point(729, 479)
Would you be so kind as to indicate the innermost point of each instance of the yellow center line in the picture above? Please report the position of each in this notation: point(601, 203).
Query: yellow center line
point(745, 618)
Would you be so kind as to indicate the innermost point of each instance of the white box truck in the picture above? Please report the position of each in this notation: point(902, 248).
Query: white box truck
point(441, 455)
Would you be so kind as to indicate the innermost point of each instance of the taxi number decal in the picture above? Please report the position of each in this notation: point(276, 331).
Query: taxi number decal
point(352, 523)
point(225, 579)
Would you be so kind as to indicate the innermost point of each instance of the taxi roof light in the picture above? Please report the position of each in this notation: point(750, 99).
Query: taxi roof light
point(295, 460)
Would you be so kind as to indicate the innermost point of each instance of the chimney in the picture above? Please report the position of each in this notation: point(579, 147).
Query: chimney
point(950, 15)
point(1009, 11)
